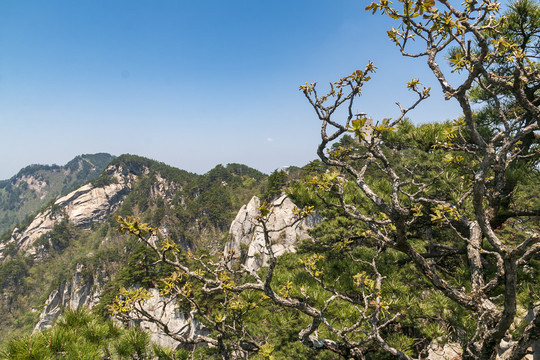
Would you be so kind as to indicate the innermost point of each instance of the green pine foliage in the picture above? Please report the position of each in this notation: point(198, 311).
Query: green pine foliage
point(79, 334)
point(276, 182)
point(424, 312)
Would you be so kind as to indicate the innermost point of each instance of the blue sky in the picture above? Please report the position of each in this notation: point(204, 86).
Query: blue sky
point(190, 83)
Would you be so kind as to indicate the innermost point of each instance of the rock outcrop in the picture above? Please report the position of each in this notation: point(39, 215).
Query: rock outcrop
point(79, 291)
point(166, 312)
point(90, 203)
point(35, 185)
point(247, 238)
point(451, 351)
point(86, 205)
point(22, 240)
point(85, 291)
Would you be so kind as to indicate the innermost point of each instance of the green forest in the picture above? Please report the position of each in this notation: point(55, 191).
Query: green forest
point(429, 237)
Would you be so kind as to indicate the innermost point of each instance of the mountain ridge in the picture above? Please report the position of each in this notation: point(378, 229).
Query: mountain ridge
point(78, 229)
point(35, 185)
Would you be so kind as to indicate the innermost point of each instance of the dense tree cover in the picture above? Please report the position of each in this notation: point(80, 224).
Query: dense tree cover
point(98, 161)
point(431, 213)
point(215, 199)
point(432, 230)
point(276, 183)
point(13, 272)
point(225, 187)
point(80, 335)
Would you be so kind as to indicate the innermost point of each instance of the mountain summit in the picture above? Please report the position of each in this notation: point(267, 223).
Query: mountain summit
point(35, 185)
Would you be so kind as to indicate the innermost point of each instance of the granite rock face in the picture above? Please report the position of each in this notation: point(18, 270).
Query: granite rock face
point(451, 351)
point(24, 239)
point(165, 311)
point(84, 206)
point(90, 204)
point(80, 291)
point(247, 238)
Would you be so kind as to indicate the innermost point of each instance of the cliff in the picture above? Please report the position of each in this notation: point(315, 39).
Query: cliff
point(79, 291)
point(35, 185)
point(88, 204)
point(247, 238)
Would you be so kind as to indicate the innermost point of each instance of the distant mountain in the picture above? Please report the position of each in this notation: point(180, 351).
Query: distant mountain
point(36, 185)
point(70, 253)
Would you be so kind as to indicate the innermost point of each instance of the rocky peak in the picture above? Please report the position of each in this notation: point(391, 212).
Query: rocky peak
point(35, 185)
point(88, 204)
point(247, 238)
point(165, 310)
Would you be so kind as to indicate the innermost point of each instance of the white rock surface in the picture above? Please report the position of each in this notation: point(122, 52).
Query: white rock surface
point(91, 203)
point(165, 310)
point(42, 224)
point(247, 236)
point(77, 293)
point(451, 351)
point(74, 294)
point(86, 205)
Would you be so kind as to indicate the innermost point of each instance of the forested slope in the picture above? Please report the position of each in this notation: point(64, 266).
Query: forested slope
point(77, 232)
point(35, 185)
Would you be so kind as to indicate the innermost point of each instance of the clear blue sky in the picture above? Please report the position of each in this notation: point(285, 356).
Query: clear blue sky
point(190, 83)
